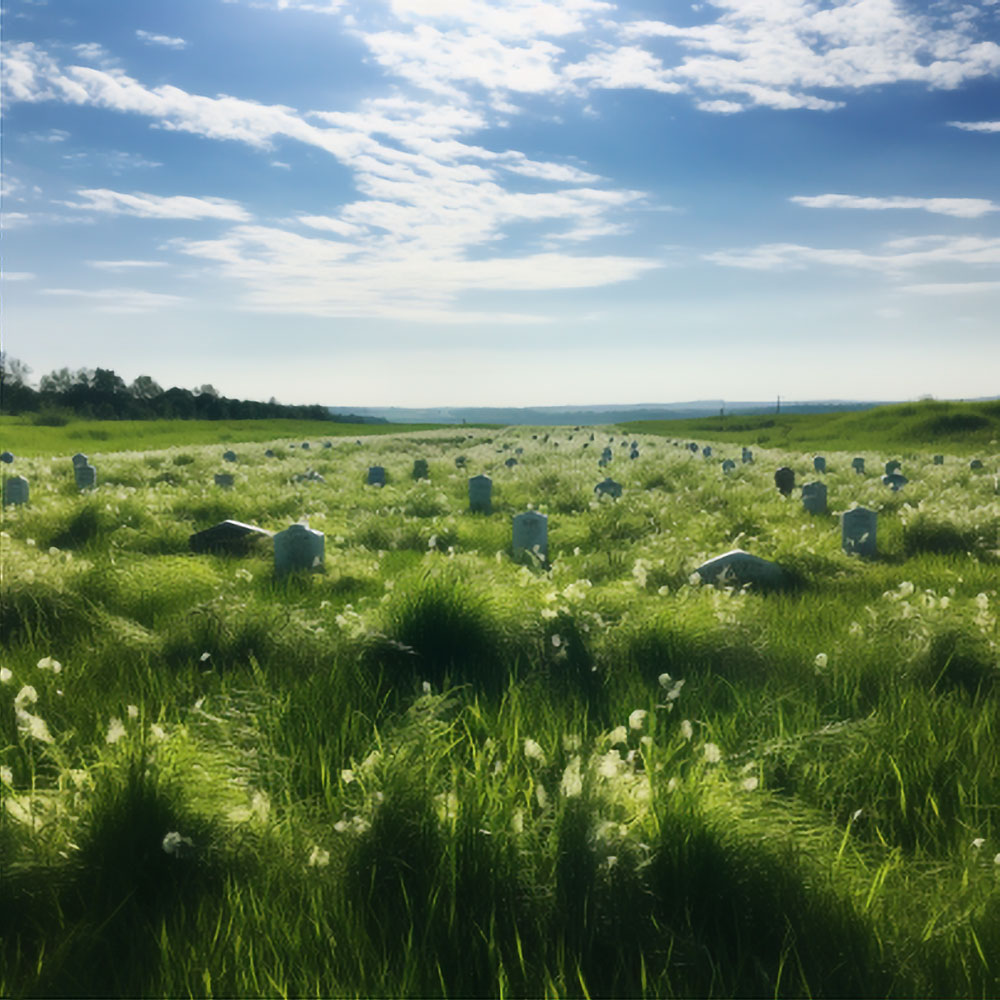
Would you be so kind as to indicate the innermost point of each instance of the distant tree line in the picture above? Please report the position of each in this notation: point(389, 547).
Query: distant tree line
point(101, 394)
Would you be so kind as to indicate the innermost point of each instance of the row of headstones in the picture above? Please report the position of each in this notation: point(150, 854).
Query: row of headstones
point(16, 489)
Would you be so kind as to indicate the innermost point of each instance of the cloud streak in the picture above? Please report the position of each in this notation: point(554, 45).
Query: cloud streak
point(152, 206)
point(960, 208)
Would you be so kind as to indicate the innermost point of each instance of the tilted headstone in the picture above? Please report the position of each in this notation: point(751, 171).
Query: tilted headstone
point(747, 456)
point(86, 477)
point(481, 494)
point(420, 469)
point(511, 462)
point(707, 451)
point(298, 548)
point(891, 467)
point(591, 437)
point(376, 476)
point(895, 481)
point(608, 487)
point(939, 459)
point(858, 531)
point(224, 479)
point(15, 490)
point(858, 465)
point(7, 457)
point(784, 480)
point(229, 456)
point(975, 464)
point(79, 459)
point(531, 534)
point(814, 498)
point(635, 445)
point(819, 464)
point(737, 568)
point(728, 465)
point(232, 537)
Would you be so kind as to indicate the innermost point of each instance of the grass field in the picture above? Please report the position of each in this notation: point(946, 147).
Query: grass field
point(431, 770)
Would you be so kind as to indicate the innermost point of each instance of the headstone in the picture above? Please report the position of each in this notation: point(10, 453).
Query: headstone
point(939, 459)
point(606, 455)
point(420, 470)
point(635, 445)
point(224, 479)
point(737, 567)
point(311, 476)
point(15, 490)
point(6, 456)
point(784, 480)
point(376, 476)
point(858, 465)
point(975, 464)
point(819, 464)
point(269, 453)
point(531, 534)
point(747, 456)
point(814, 498)
point(298, 548)
point(891, 467)
point(79, 459)
point(895, 481)
point(591, 437)
point(693, 447)
point(460, 462)
point(858, 531)
point(327, 444)
point(481, 494)
point(229, 456)
point(305, 445)
point(518, 451)
point(707, 451)
point(634, 453)
point(86, 477)
point(232, 537)
point(291, 446)
point(608, 487)
point(728, 465)
point(511, 462)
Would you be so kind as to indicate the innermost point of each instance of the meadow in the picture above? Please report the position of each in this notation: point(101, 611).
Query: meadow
point(432, 769)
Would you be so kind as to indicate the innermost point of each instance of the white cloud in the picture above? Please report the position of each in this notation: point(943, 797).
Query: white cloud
point(124, 265)
point(151, 206)
point(120, 300)
point(962, 208)
point(167, 41)
point(977, 126)
point(17, 276)
point(962, 288)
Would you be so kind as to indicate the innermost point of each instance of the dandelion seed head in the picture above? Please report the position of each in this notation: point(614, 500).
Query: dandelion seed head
point(133, 711)
point(318, 858)
point(116, 730)
point(5, 676)
point(572, 781)
point(533, 751)
point(750, 784)
point(712, 753)
point(618, 735)
point(557, 641)
point(26, 696)
point(821, 661)
point(48, 663)
point(174, 843)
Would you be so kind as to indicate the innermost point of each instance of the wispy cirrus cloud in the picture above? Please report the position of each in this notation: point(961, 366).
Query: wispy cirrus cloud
point(166, 41)
point(124, 265)
point(961, 208)
point(152, 206)
point(977, 126)
point(961, 288)
point(119, 300)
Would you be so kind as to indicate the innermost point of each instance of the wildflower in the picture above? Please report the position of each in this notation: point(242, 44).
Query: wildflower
point(687, 730)
point(675, 691)
point(982, 601)
point(47, 663)
point(346, 775)
point(750, 784)
point(541, 797)
point(557, 641)
point(26, 696)
point(572, 781)
point(855, 815)
point(517, 821)
point(533, 751)
point(672, 785)
point(712, 753)
point(996, 859)
point(637, 719)
point(116, 730)
point(6, 775)
point(978, 842)
point(906, 588)
point(318, 858)
point(5, 675)
point(820, 661)
point(205, 656)
point(618, 735)
point(174, 844)
point(610, 764)
point(426, 687)
point(260, 806)
point(158, 733)
point(133, 711)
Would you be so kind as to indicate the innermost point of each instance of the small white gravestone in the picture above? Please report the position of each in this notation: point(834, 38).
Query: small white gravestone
point(858, 531)
point(747, 456)
point(858, 465)
point(728, 465)
point(376, 476)
point(86, 476)
point(481, 494)
point(707, 451)
point(819, 464)
point(891, 467)
point(79, 459)
point(737, 567)
point(229, 456)
point(224, 479)
point(531, 534)
point(15, 490)
point(894, 481)
point(6, 456)
point(420, 470)
point(939, 459)
point(608, 487)
point(298, 548)
point(814, 498)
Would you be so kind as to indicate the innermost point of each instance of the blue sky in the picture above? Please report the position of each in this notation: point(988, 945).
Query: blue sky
point(529, 202)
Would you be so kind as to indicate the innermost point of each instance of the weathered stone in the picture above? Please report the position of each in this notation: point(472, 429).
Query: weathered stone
point(608, 487)
point(975, 464)
point(531, 534)
point(79, 459)
point(229, 456)
point(460, 462)
point(858, 531)
point(819, 464)
point(6, 456)
point(298, 548)
point(481, 494)
point(738, 567)
point(814, 498)
point(634, 453)
point(891, 467)
point(693, 447)
point(15, 490)
point(728, 465)
point(224, 479)
point(511, 462)
point(305, 445)
point(784, 480)
point(607, 455)
point(376, 476)
point(86, 477)
point(518, 451)
point(747, 456)
point(420, 469)
point(858, 465)
point(269, 453)
point(311, 476)
point(895, 481)
point(232, 537)
point(939, 459)
point(707, 451)
point(327, 444)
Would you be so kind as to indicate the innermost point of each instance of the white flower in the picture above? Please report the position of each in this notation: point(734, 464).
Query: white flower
point(260, 806)
point(133, 711)
point(6, 775)
point(533, 751)
point(26, 696)
point(982, 601)
point(906, 588)
point(346, 775)
point(687, 730)
point(664, 680)
point(712, 753)
point(47, 663)
point(541, 797)
point(318, 858)
point(750, 784)
point(572, 781)
point(33, 726)
point(556, 641)
point(174, 844)
point(517, 821)
point(855, 815)
point(821, 661)
point(610, 764)
point(571, 742)
point(158, 733)
point(116, 730)
point(5, 675)
point(978, 842)
point(637, 719)
point(618, 735)
point(426, 687)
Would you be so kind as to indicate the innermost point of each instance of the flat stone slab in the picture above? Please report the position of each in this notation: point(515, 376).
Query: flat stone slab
point(233, 537)
point(737, 567)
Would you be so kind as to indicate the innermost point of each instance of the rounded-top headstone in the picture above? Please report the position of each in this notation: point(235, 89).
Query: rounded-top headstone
point(894, 481)
point(728, 465)
point(269, 453)
point(15, 490)
point(481, 494)
point(707, 451)
point(6, 456)
point(327, 444)
point(784, 480)
point(975, 464)
point(305, 444)
point(511, 462)
point(858, 465)
point(86, 476)
point(814, 498)
point(79, 459)
point(531, 534)
point(229, 456)
point(420, 469)
point(858, 531)
point(376, 476)
point(608, 487)
point(819, 464)
point(298, 548)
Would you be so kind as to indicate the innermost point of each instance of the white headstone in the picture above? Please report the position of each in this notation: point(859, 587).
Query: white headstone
point(481, 494)
point(229, 456)
point(858, 531)
point(15, 490)
point(86, 476)
point(608, 487)
point(376, 476)
point(858, 465)
point(79, 459)
point(531, 534)
point(814, 497)
point(298, 548)
point(737, 567)
point(819, 464)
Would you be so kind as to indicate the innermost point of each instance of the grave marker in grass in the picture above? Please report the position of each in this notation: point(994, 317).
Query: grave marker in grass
point(858, 465)
point(939, 459)
point(728, 465)
point(376, 476)
point(784, 480)
point(814, 498)
point(530, 534)
point(819, 464)
point(891, 467)
point(747, 456)
point(86, 476)
point(420, 469)
point(298, 548)
point(7, 457)
point(224, 479)
point(738, 567)
point(15, 490)
point(858, 531)
point(229, 456)
point(481, 494)
point(229, 537)
point(608, 487)
point(894, 481)
point(79, 459)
